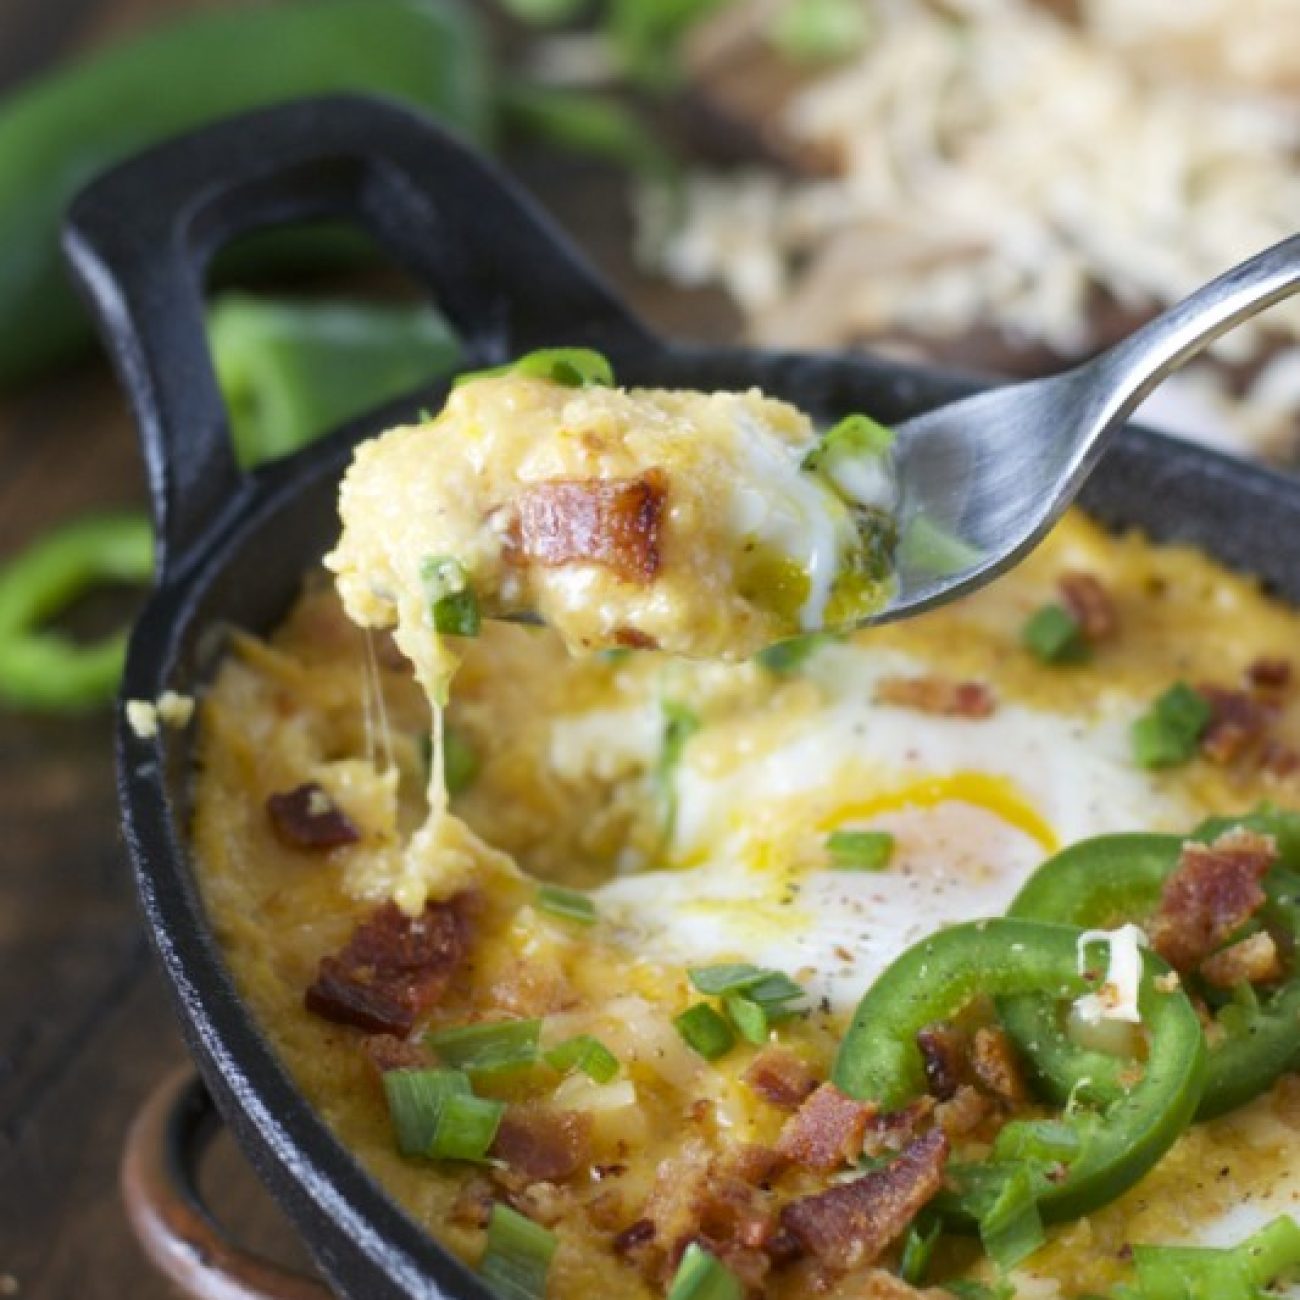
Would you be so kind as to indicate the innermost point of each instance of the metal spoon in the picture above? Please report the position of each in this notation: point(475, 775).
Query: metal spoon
point(983, 479)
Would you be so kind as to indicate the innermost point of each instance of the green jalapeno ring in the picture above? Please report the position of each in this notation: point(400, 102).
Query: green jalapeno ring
point(45, 669)
point(879, 1059)
point(1110, 879)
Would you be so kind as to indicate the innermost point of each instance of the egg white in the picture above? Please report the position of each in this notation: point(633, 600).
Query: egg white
point(974, 805)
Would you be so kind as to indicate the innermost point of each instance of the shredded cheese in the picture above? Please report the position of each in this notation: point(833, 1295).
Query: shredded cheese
point(1117, 999)
point(171, 709)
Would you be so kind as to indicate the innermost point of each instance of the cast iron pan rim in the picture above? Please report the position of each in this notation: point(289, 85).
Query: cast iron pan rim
point(251, 1087)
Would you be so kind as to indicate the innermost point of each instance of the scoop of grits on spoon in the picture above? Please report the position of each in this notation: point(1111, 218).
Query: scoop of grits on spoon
point(713, 524)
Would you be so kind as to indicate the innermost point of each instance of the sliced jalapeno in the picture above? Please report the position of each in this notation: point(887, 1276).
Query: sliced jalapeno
point(41, 668)
point(1111, 879)
point(879, 1059)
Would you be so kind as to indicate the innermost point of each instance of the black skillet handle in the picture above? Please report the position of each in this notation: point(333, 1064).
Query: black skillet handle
point(141, 237)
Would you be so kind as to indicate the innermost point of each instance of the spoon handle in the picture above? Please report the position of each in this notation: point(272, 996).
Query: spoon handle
point(1126, 374)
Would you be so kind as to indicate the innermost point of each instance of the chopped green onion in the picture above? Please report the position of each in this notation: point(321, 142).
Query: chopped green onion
point(1203, 1273)
point(587, 1054)
point(860, 850)
point(680, 724)
point(416, 1099)
point(702, 1276)
point(755, 982)
point(493, 1047)
point(1011, 1229)
point(754, 998)
point(1053, 635)
point(918, 1249)
point(518, 1255)
point(451, 599)
point(1046, 1142)
point(786, 657)
point(927, 549)
point(750, 1018)
point(705, 1031)
point(459, 761)
point(714, 981)
point(1167, 734)
point(571, 367)
point(773, 990)
point(855, 435)
point(571, 904)
point(820, 31)
point(467, 1127)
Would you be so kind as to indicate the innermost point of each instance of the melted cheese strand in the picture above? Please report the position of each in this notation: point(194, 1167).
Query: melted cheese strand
point(375, 684)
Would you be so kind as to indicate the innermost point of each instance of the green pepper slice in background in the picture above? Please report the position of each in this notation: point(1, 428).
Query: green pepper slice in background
point(44, 669)
point(1111, 879)
point(64, 129)
point(933, 981)
point(289, 371)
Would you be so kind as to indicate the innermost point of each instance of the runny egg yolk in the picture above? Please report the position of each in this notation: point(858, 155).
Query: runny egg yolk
point(995, 794)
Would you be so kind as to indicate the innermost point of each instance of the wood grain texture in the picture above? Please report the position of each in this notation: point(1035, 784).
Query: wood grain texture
point(85, 1029)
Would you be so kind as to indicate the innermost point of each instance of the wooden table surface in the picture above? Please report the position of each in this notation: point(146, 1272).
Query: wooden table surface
point(85, 1028)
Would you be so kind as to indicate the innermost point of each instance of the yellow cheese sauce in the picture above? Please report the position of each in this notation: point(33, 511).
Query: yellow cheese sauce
point(720, 856)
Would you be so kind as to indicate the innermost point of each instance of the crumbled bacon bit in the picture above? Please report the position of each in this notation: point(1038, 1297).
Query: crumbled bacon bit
point(995, 1064)
point(611, 522)
point(1089, 604)
point(541, 1144)
point(472, 1207)
point(605, 1209)
point(1214, 890)
point(964, 1112)
point(1280, 759)
point(934, 694)
point(712, 1199)
point(545, 1203)
point(943, 1054)
point(307, 818)
point(850, 1226)
point(892, 1130)
point(634, 1239)
point(393, 969)
point(1239, 722)
point(1253, 960)
point(632, 638)
point(827, 1131)
point(751, 1163)
point(388, 1052)
point(781, 1077)
point(1286, 1100)
point(1269, 674)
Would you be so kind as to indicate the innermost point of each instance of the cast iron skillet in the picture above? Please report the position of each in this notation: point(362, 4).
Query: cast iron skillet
point(233, 548)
